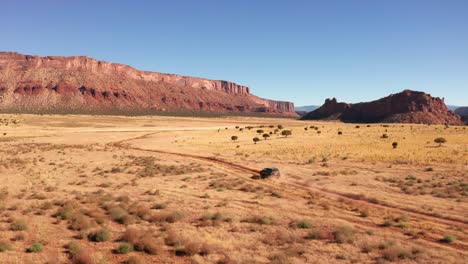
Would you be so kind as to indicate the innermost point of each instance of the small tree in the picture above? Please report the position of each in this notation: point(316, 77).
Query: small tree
point(305, 128)
point(286, 133)
point(266, 136)
point(440, 141)
point(340, 133)
point(234, 138)
point(395, 145)
point(280, 126)
point(260, 131)
point(255, 140)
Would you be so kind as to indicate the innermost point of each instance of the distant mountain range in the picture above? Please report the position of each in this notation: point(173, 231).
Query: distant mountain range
point(453, 107)
point(306, 108)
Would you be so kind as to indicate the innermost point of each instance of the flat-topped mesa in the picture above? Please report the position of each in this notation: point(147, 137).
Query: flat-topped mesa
point(86, 64)
point(83, 84)
point(405, 107)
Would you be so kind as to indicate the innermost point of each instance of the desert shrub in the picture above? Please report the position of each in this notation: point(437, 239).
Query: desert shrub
point(119, 215)
point(80, 222)
point(83, 258)
point(132, 235)
point(142, 212)
point(135, 260)
point(344, 234)
point(316, 235)
point(190, 249)
point(364, 212)
point(395, 253)
point(172, 239)
point(395, 145)
point(18, 225)
point(193, 248)
point(214, 218)
point(4, 246)
point(340, 133)
point(149, 245)
point(46, 206)
point(169, 217)
point(35, 247)
point(449, 238)
point(286, 133)
point(100, 235)
point(141, 240)
point(160, 206)
point(440, 141)
point(259, 220)
point(67, 210)
point(279, 259)
point(98, 216)
point(125, 248)
point(74, 248)
point(367, 248)
point(386, 244)
point(302, 224)
point(384, 136)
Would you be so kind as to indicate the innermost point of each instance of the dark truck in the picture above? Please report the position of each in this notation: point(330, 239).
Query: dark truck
point(269, 172)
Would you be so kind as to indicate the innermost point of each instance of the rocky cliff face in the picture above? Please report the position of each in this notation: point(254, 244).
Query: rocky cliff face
point(82, 84)
point(405, 107)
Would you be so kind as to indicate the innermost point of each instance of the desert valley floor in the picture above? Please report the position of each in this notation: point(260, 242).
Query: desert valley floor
point(108, 189)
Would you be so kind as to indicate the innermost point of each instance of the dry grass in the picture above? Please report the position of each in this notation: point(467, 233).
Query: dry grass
point(342, 197)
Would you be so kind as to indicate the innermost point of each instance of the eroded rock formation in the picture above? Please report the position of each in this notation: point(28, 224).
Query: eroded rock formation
point(82, 84)
point(405, 107)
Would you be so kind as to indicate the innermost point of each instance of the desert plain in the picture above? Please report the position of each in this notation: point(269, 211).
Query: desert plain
point(152, 189)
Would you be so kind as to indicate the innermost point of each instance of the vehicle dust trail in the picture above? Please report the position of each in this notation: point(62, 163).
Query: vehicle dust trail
point(307, 189)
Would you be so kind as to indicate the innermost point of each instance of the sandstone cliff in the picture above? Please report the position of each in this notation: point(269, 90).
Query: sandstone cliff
point(405, 107)
point(82, 84)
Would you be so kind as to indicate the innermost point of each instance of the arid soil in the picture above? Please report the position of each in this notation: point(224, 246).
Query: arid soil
point(112, 189)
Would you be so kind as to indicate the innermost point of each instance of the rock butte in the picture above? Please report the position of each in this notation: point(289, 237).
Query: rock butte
point(80, 84)
point(405, 107)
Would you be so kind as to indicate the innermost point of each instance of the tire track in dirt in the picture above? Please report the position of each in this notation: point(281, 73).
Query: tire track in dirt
point(306, 193)
point(426, 216)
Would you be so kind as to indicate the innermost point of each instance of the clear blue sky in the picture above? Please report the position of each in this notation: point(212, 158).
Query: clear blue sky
point(300, 51)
